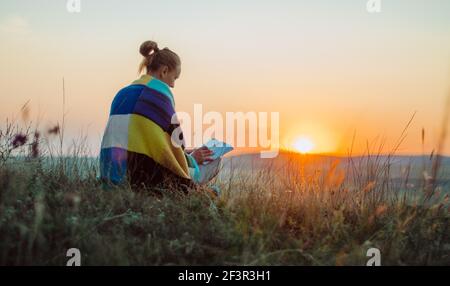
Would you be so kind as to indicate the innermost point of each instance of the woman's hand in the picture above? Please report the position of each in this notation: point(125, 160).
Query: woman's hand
point(202, 154)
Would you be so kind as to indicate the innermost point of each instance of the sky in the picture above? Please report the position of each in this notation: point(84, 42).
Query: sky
point(334, 72)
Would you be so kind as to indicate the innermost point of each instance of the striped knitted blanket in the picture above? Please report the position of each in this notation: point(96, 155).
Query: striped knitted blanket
point(136, 146)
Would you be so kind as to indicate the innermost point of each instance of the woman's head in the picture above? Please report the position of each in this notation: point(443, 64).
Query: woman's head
point(163, 64)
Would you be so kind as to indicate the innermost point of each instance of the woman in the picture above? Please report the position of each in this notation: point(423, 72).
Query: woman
point(136, 147)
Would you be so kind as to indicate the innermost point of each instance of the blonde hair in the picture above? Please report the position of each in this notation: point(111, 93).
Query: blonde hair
point(154, 58)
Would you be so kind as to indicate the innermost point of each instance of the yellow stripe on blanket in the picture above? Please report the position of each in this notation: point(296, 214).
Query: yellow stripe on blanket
point(156, 144)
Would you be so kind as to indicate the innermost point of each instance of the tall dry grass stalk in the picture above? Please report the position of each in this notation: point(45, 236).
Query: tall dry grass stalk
point(441, 143)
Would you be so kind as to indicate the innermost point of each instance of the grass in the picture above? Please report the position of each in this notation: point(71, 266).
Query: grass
point(265, 218)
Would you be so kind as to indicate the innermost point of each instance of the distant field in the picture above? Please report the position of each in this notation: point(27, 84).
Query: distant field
point(402, 171)
point(399, 164)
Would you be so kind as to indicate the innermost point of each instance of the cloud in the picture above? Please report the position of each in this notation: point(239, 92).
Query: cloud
point(15, 25)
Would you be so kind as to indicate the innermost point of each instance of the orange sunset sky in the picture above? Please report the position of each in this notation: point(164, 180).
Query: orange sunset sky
point(330, 68)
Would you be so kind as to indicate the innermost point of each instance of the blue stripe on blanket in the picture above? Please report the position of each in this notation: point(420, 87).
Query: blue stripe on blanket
point(113, 165)
point(125, 100)
point(156, 107)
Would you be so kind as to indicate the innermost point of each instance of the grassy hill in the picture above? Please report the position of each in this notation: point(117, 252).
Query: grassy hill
point(292, 210)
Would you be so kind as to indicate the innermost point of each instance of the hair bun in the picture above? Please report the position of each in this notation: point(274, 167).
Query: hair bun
point(147, 47)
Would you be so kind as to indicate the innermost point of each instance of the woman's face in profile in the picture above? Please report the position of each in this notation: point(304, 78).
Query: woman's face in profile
point(170, 76)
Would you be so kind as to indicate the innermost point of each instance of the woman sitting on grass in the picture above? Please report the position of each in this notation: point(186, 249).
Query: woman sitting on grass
point(136, 147)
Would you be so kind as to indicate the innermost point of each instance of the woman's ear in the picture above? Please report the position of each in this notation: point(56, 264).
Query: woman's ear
point(164, 71)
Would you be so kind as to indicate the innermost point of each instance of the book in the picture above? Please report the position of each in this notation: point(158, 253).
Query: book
point(219, 148)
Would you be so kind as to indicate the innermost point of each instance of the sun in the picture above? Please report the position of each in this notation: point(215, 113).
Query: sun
point(303, 145)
